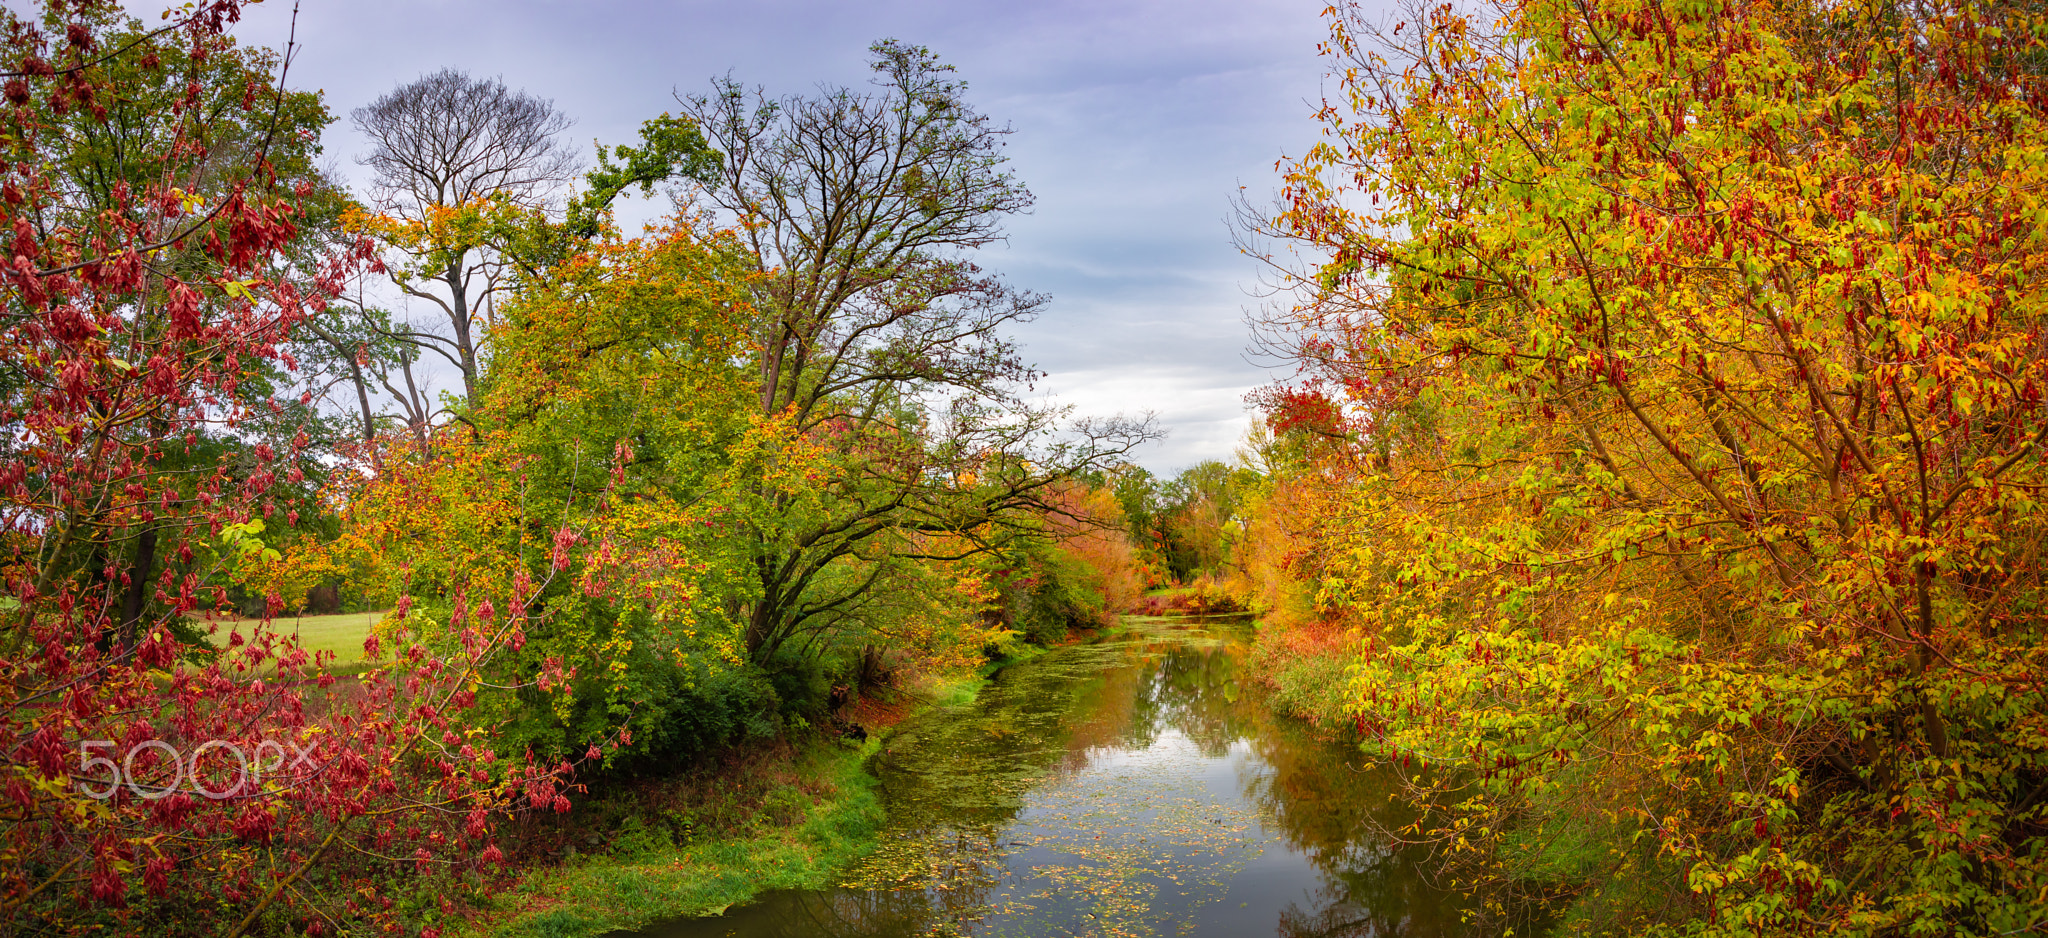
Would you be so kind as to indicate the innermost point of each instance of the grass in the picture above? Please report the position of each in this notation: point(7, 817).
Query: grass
point(342, 634)
point(801, 838)
point(1308, 667)
point(807, 815)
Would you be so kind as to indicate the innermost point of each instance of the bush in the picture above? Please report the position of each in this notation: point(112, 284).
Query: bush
point(801, 683)
point(696, 709)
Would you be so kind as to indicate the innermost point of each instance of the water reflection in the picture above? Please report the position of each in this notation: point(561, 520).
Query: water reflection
point(1134, 786)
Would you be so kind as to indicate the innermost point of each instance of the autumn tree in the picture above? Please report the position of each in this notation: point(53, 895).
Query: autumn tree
point(443, 143)
point(1094, 545)
point(474, 190)
point(1676, 371)
point(601, 486)
point(1187, 524)
point(1276, 560)
point(881, 345)
point(1199, 518)
point(102, 155)
point(154, 199)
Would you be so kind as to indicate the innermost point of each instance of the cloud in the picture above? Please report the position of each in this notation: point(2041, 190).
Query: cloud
point(1202, 409)
point(1135, 125)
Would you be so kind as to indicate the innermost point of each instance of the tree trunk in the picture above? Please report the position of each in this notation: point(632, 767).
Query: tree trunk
point(138, 589)
point(460, 318)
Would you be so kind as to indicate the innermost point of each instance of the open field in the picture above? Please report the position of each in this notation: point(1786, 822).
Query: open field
point(341, 633)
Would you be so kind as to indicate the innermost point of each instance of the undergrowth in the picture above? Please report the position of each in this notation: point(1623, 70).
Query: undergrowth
point(771, 817)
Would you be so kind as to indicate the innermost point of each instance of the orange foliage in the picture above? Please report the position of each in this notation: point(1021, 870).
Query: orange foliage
point(1091, 529)
point(1276, 567)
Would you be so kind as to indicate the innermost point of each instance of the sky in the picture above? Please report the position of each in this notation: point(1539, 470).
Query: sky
point(1136, 123)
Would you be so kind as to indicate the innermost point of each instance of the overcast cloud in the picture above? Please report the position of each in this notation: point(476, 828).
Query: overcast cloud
point(1135, 124)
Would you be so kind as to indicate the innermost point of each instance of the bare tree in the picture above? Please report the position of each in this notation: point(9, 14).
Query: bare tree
point(446, 141)
point(881, 340)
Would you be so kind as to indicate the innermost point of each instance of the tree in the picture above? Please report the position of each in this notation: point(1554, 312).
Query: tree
point(599, 488)
point(1676, 371)
point(1199, 518)
point(468, 179)
point(1093, 532)
point(100, 156)
point(154, 201)
point(881, 344)
point(443, 146)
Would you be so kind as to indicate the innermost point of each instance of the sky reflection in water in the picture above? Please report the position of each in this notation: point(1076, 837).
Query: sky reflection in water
point(1130, 787)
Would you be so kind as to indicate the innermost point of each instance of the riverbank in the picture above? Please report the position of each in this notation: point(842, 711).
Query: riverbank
point(781, 815)
point(789, 816)
point(1308, 667)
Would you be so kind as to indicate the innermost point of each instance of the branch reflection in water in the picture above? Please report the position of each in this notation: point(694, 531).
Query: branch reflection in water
point(1138, 785)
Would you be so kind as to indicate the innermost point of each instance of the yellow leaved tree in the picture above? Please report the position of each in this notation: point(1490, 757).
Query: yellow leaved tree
point(1676, 371)
point(590, 506)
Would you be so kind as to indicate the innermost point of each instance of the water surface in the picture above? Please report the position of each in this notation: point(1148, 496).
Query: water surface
point(1134, 786)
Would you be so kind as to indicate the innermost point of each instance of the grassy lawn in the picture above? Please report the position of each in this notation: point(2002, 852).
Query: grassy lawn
point(342, 633)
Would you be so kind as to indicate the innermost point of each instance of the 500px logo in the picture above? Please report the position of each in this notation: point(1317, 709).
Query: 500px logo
point(182, 768)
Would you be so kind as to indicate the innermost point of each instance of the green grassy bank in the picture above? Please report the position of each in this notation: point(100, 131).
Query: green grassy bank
point(793, 821)
point(776, 817)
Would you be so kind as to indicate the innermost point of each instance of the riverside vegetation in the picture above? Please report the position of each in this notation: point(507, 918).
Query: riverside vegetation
point(1669, 453)
point(1657, 503)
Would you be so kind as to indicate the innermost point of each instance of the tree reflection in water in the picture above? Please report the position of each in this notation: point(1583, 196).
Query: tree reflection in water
point(1133, 786)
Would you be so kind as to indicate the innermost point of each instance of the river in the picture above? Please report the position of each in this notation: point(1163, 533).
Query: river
point(1136, 785)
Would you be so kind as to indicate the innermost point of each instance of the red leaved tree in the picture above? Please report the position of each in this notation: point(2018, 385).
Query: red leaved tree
point(152, 193)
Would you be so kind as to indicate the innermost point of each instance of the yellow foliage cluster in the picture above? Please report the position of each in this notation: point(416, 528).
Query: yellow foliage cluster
point(1676, 410)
